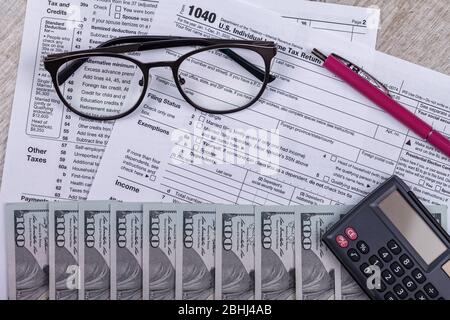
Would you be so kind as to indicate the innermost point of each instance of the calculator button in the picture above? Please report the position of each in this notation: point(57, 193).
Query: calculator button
point(419, 276)
point(365, 270)
point(409, 284)
point(385, 255)
point(362, 247)
point(431, 291)
point(382, 287)
point(390, 296)
point(375, 261)
point(354, 255)
point(351, 234)
point(394, 247)
point(406, 261)
point(420, 296)
point(341, 241)
point(400, 292)
point(388, 277)
point(397, 269)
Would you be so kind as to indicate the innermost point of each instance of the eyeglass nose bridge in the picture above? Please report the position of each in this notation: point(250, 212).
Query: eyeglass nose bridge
point(173, 65)
point(160, 64)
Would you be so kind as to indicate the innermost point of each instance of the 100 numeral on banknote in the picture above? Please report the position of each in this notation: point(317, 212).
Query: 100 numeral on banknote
point(196, 256)
point(28, 257)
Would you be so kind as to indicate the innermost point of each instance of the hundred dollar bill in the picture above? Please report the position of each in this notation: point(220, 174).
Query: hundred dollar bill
point(126, 251)
point(27, 249)
point(159, 251)
point(318, 273)
point(63, 245)
point(195, 255)
point(275, 253)
point(350, 290)
point(235, 253)
point(95, 249)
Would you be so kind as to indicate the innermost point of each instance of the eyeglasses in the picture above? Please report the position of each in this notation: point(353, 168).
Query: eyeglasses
point(214, 75)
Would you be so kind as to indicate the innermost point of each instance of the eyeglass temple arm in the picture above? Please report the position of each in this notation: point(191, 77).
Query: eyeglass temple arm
point(66, 72)
point(247, 65)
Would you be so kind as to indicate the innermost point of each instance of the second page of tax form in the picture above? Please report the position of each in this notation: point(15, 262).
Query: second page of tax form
point(310, 139)
point(352, 23)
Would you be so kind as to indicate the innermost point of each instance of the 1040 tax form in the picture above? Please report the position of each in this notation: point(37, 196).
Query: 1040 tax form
point(309, 140)
point(53, 154)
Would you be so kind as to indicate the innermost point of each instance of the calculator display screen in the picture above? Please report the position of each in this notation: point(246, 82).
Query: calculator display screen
point(411, 225)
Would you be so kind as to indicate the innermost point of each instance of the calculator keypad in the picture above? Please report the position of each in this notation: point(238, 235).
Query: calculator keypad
point(431, 291)
point(341, 241)
point(420, 296)
point(351, 234)
point(400, 292)
point(365, 270)
point(406, 261)
point(409, 284)
point(375, 261)
point(385, 255)
point(397, 269)
point(418, 276)
point(382, 287)
point(354, 255)
point(390, 296)
point(388, 277)
point(404, 279)
point(394, 247)
point(362, 247)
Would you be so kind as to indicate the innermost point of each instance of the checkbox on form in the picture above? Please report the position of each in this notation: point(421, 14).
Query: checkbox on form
point(118, 9)
point(117, 16)
point(333, 158)
point(326, 178)
point(152, 178)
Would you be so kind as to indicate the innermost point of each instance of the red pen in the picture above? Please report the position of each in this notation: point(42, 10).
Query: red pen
point(376, 92)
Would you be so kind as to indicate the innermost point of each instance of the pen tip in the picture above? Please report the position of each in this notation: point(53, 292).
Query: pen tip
point(319, 55)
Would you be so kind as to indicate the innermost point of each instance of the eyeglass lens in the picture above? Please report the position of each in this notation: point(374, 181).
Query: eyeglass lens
point(105, 86)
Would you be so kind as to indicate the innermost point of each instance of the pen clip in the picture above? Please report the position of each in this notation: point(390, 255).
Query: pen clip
point(363, 73)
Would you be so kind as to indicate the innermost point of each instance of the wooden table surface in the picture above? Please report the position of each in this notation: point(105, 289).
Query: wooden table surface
point(414, 30)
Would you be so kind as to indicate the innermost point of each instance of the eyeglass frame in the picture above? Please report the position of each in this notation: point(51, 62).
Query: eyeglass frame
point(116, 48)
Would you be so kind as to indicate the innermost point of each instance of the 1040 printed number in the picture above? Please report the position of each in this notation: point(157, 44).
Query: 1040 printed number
point(199, 13)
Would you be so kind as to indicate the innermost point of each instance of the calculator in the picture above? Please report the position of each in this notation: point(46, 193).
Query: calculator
point(393, 247)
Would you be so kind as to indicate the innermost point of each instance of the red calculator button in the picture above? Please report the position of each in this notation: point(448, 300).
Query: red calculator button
point(341, 241)
point(351, 233)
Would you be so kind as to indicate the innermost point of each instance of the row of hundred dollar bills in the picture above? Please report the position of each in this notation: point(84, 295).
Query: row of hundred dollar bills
point(127, 251)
